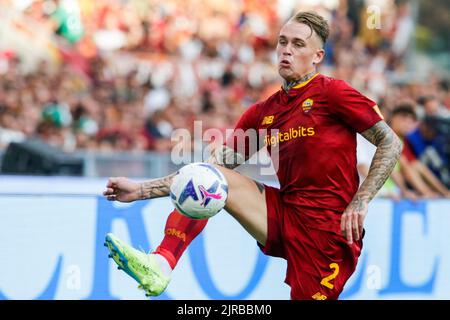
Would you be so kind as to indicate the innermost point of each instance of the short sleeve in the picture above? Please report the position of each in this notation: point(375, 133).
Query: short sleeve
point(352, 107)
point(244, 138)
point(248, 119)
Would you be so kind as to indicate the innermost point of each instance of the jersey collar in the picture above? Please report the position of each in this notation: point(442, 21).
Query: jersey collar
point(304, 83)
point(294, 90)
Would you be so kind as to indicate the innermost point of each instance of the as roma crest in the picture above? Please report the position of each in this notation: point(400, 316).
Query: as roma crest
point(307, 105)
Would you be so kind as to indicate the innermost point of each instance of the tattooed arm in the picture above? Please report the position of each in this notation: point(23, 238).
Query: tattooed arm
point(226, 157)
point(389, 148)
point(125, 190)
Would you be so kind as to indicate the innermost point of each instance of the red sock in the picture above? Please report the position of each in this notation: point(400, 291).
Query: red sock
point(178, 234)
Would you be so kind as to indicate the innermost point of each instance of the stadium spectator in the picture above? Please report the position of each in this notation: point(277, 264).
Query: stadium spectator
point(430, 106)
point(430, 143)
point(147, 68)
point(418, 177)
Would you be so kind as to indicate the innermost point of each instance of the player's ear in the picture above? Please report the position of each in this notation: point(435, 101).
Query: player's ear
point(318, 56)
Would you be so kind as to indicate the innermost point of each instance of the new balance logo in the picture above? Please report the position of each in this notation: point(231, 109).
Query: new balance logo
point(268, 120)
point(319, 296)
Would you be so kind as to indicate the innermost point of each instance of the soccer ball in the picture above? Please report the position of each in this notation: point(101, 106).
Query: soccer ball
point(199, 190)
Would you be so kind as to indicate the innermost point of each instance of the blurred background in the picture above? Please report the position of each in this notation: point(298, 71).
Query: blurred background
point(109, 81)
point(96, 88)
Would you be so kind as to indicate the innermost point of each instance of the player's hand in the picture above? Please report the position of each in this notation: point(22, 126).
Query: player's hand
point(352, 220)
point(122, 189)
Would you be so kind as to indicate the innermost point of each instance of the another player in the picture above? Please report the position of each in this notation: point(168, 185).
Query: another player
point(315, 220)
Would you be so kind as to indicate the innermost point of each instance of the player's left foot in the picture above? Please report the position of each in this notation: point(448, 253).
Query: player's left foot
point(142, 267)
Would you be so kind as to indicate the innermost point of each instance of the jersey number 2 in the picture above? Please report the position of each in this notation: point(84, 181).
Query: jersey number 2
point(326, 281)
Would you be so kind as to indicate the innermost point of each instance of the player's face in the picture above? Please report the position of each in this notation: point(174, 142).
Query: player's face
point(297, 50)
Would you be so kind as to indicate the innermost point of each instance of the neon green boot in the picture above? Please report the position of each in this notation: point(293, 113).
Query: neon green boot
point(139, 265)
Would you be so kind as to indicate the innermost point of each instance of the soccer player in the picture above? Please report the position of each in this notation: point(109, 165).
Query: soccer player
point(315, 220)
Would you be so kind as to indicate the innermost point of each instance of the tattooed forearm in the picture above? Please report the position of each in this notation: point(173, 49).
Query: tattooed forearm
point(226, 157)
point(388, 152)
point(156, 188)
point(223, 156)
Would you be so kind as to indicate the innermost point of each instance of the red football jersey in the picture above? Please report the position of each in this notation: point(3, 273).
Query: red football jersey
point(316, 124)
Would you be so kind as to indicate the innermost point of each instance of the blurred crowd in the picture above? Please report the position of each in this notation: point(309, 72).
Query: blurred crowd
point(114, 75)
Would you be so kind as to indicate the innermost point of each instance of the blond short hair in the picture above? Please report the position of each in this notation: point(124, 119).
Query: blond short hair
point(315, 21)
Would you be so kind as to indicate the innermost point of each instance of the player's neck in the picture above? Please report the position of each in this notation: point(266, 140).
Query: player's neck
point(287, 85)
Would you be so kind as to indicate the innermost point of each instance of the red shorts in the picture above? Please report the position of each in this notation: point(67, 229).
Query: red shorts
point(319, 262)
